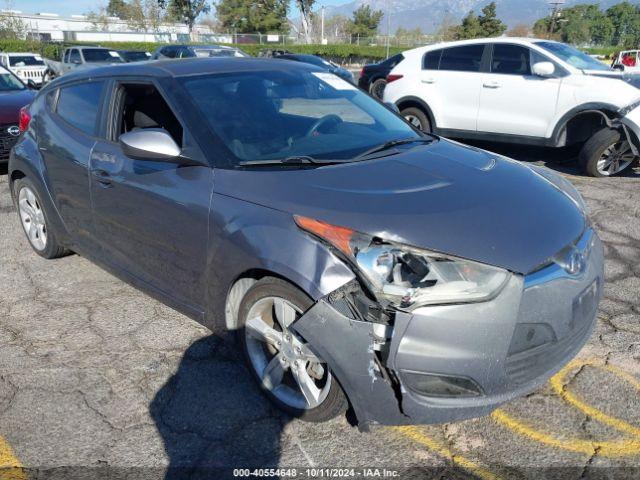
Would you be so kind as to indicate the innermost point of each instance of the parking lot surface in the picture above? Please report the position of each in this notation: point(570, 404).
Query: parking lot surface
point(97, 378)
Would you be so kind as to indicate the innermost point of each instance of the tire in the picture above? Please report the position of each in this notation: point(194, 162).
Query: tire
point(376, 89)
point(417, 118)
point(595, 158)
point(45, 241)
point(286, 394)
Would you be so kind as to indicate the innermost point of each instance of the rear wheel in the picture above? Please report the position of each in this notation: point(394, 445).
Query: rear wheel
point(34, 219)
point(606, 153)
point(377, 88)
point(417, 118)
point(285, 368)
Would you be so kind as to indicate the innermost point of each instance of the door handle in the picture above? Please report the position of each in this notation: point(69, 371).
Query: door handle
point(429, 80)
point(102, 177)
point(491, 85)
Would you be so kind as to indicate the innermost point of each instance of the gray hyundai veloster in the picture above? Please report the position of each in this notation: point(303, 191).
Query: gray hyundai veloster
point(358, 261)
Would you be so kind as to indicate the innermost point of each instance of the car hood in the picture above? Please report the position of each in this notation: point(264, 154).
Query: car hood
point(444, 197)
point(11, 102)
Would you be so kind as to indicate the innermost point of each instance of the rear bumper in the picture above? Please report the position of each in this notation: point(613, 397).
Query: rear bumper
point(506, 347)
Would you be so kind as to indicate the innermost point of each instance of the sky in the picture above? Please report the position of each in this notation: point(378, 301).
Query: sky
point(79, 7)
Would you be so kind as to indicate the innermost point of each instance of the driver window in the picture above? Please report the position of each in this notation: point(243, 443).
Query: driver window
point(142, 106)
point(75, 56)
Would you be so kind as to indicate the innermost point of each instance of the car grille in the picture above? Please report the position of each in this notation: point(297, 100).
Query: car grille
point(7, 141)
point(528, 365)
point(35, 75)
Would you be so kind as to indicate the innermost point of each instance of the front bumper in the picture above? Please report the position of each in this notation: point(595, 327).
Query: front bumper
point(506, 347)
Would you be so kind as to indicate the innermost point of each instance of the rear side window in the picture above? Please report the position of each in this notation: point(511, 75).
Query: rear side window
point(431, 60)
point(511, 60)
point(78, 105)
point(74, 56)
point(462, 59)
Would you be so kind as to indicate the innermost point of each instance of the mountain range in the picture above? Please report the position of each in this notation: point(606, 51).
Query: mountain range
point(430, 14)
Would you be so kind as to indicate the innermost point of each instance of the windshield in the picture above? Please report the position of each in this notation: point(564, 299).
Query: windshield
point(276, 114)
point(573, 56)
point(25, 61)
point(10, 82)
point(98, 55)
point(218, 52)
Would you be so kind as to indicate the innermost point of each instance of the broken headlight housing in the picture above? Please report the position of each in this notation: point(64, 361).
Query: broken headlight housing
point(409, 277)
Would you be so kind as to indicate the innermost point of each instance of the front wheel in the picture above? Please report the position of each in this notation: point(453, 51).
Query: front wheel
point(281, 361)
point(606, 153)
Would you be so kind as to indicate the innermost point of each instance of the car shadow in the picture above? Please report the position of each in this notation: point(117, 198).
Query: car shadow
point(212, 417)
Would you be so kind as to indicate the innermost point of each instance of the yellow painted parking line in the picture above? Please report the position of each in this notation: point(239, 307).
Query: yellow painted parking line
point(558, 386)
point(612, 449)
point(10, 466)
point(417, 436)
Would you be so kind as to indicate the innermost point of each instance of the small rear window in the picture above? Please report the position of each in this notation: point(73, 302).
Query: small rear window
point(78, 105)
point(432, 60)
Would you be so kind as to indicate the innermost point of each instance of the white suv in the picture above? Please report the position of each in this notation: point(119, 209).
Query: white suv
point(27, 66)
point(526, 91)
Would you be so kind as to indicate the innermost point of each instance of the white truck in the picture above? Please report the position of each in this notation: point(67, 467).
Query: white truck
point(28, 67)
point(81, 57)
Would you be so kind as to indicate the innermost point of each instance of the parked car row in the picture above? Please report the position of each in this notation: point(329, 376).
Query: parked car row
point(525, 91)
point(356, 260)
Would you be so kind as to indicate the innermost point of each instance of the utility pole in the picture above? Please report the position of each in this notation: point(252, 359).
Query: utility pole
point(388, 15)
point(322, 25)
point(556, 8)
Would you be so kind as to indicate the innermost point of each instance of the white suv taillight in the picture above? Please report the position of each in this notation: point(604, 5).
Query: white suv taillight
point(393, 78)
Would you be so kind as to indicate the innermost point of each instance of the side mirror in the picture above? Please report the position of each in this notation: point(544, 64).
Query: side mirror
point(392, 106)
point(32, 85)
point(544, 69)
point(150, 144)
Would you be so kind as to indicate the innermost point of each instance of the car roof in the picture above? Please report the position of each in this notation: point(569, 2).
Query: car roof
point(185, 67)
point(20, 54)
point(458, 43)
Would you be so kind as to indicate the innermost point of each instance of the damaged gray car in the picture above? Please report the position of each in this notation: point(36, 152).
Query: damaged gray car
point(361, 263)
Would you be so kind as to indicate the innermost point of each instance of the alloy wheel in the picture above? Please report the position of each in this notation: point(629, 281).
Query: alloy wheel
point(615, 158)
point(281, 359)
point(413, 120)
point(32, 218)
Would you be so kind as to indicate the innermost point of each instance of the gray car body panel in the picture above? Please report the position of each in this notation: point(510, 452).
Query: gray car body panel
point(443, 197)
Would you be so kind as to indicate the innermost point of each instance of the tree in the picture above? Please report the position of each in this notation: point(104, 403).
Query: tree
point(99, 20)
point(626, 23)
point(413, 37)
point(336, 26)
point(185, 11)
point(250, 16)
point(520, 30)
point(118, 8)
point(490, 24)
point(306, 12)
point(365, 22)
point(12, 27)
point(470, 28)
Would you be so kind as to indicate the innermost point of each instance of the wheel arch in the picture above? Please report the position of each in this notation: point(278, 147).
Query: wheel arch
point(415, 102)
point(581, 122)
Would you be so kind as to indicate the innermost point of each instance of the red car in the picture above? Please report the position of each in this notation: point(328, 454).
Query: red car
point(13, 96)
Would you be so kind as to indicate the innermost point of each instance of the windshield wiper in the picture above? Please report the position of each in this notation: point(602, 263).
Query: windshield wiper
point(391, 144)
point(294, 160)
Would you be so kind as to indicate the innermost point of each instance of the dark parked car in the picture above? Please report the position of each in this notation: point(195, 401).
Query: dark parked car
point(318, 62)
point(354, 258)
point(14, 95)
point(373, 77)
point(199, 51)
point(134, 55)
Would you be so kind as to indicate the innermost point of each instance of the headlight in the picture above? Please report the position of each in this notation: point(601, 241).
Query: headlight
point(410, 277)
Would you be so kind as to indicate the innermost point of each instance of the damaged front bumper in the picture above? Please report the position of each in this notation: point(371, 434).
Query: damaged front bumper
point(445, 363)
